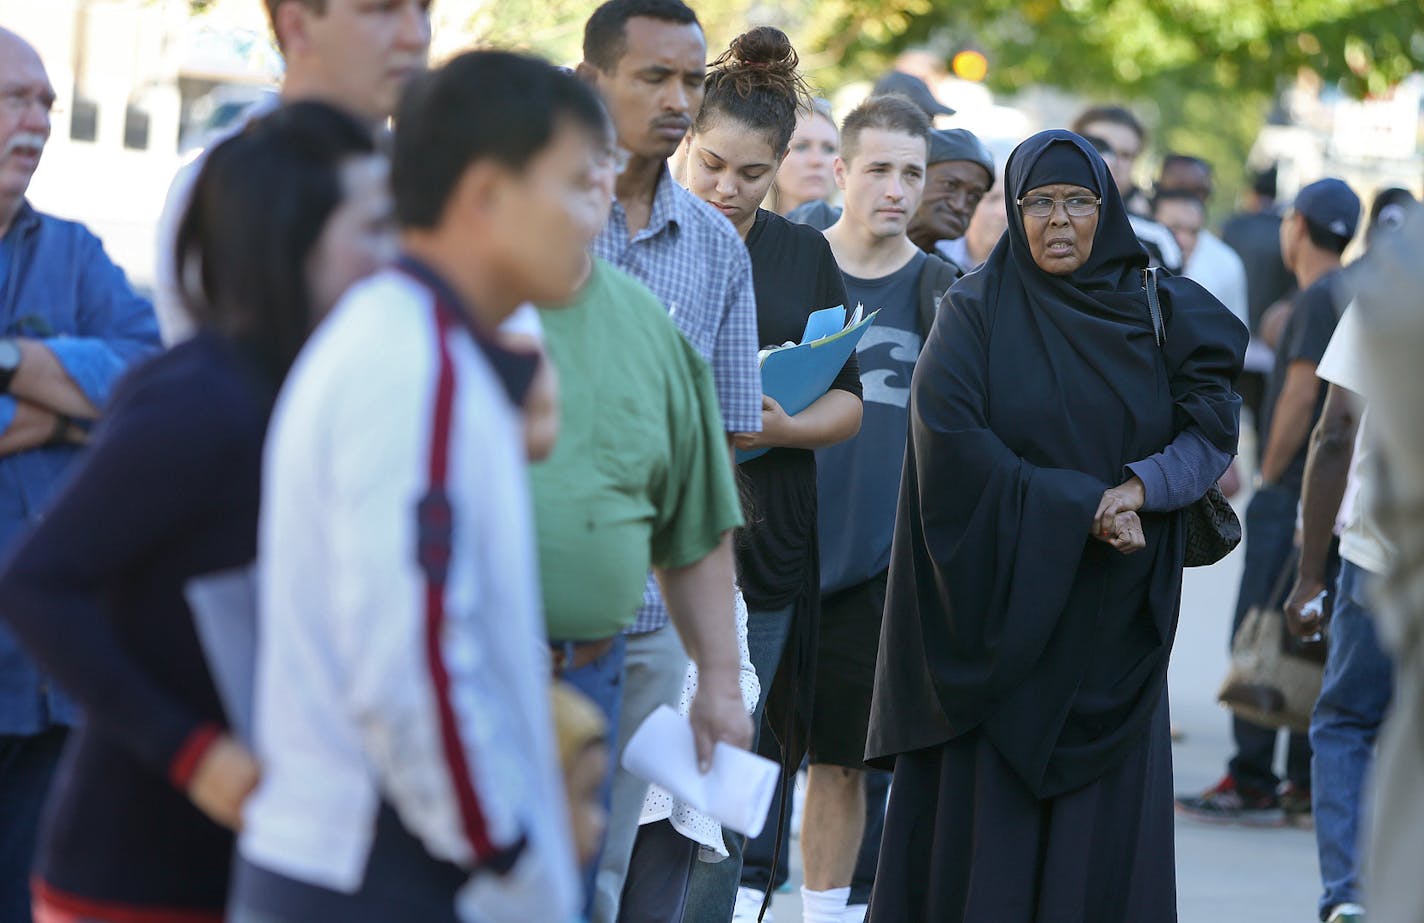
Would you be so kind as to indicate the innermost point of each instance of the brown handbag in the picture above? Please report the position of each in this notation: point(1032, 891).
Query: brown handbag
point(1273, 680)
point(1213, 530)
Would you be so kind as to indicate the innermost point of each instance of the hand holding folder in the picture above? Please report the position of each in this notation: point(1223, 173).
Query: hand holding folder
point(797, 375)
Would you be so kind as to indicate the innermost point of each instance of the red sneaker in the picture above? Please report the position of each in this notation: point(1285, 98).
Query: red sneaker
point(1226, 803)
point(1295, 804)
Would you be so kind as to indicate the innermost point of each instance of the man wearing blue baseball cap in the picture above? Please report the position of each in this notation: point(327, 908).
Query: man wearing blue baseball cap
point(1313, 236)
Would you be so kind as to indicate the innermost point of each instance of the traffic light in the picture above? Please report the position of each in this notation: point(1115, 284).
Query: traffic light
point(970, 65)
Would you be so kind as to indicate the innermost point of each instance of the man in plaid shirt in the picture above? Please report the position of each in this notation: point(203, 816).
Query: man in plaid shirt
point(647, 58)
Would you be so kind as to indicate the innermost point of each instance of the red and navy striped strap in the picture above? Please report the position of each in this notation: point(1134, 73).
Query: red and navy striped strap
point(435, 537)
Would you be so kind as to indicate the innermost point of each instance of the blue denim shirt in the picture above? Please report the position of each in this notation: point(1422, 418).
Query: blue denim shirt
point(58, 287)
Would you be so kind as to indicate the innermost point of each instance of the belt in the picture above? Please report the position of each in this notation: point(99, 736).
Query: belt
point(575, 655)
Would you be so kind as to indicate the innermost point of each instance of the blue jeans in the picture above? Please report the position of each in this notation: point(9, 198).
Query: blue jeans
point(1353, 700)
point(713, 889)
point(1270, 536)
point(602, 681)
point(659, 873)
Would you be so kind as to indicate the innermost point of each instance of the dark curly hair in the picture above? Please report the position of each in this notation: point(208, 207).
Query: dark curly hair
point(755, 82)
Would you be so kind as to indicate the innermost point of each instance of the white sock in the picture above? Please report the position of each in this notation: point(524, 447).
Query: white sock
point(749, 901)
point(823, 906)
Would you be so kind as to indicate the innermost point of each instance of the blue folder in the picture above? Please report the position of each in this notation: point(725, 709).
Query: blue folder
point(795, 376)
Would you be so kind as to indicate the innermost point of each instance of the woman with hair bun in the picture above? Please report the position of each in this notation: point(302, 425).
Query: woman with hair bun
point(738, 141)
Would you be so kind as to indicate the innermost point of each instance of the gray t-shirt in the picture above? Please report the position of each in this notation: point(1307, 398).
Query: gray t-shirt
point(858, 481)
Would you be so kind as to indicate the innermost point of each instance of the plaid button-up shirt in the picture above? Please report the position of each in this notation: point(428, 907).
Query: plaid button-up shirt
point(695, 262)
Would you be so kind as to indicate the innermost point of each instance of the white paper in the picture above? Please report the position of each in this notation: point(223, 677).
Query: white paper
point(224, 607)
point(736, 792)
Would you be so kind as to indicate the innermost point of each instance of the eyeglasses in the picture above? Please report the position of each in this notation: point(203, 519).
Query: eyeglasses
point(1042, 206)
point(19, 101)
point(615, 159)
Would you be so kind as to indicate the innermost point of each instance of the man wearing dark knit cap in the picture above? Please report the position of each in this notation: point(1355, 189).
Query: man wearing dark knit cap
point(960, 171)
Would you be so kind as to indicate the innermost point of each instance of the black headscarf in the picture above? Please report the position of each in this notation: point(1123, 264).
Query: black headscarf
point(1061, 163)
point(1032, 393)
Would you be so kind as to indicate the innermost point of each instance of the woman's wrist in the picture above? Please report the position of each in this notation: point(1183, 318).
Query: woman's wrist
point(782, 433)
point(1135, 492)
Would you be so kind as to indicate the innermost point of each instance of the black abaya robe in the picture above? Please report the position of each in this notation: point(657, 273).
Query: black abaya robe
point(1021, 661)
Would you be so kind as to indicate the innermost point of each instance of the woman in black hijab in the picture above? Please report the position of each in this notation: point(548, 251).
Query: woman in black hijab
point(1037, 567)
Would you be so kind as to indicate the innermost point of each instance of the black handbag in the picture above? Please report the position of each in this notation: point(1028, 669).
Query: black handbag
point(1213, 530)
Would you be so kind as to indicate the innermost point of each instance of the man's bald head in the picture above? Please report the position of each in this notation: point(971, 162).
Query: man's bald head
point(26, 98)
point(16, 53)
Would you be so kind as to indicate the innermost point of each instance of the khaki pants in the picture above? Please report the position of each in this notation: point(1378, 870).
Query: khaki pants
point(653, 671)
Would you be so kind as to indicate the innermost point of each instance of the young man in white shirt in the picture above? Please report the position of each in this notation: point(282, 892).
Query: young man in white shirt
point(402, 716)
point(1120, 138)
point(1339, 482)
point(352, 54)
point(1207, 259)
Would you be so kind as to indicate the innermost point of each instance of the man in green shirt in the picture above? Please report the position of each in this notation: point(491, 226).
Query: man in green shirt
point(639, 478)
point(639, 475)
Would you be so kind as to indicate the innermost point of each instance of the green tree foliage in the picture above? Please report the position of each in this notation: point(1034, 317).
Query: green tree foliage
point(554, 28)
point(1135, 46)
point(1203, 72)
point(1126, 46)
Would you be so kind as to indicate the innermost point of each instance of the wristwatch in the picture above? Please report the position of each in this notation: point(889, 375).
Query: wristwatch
point(60, 434)
point(9, 362)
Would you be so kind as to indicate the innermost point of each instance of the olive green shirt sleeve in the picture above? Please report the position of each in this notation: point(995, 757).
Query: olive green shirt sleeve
point(696, 495)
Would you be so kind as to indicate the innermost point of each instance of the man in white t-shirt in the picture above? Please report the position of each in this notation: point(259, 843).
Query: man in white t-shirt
point(1207, 259)
point(1339, 476)
point(352, 54)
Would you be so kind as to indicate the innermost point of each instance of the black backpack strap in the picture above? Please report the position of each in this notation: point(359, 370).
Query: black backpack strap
point(936, 276)
point(1154, 306)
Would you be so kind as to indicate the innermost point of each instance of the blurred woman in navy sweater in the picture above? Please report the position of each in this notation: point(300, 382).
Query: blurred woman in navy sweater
point(283, 217)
